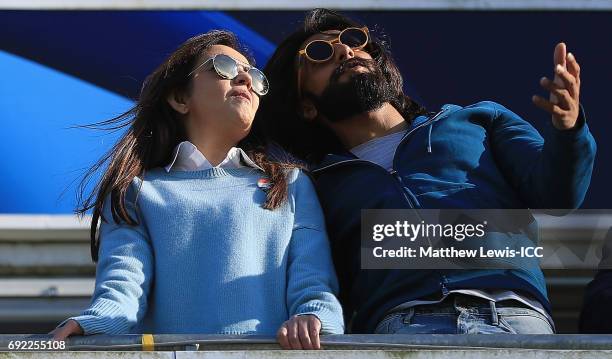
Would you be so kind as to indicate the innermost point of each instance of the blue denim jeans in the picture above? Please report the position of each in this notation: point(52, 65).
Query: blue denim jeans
point(466, 315)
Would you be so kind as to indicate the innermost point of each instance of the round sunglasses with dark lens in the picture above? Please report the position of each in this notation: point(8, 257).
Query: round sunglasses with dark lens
point(354, 37)
point(227, 67)
point(323, 50)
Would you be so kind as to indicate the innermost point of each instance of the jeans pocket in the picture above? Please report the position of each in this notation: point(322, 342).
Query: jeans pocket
point(392, 322)
point(383, 325)
point(525, 321)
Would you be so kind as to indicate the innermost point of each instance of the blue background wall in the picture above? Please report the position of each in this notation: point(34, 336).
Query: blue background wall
point(64, 68)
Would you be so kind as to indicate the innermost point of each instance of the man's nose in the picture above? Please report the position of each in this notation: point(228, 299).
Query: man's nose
point(343, 52)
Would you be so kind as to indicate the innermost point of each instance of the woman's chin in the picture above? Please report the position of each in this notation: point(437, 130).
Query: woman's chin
point(243, 118)
point(242, 123)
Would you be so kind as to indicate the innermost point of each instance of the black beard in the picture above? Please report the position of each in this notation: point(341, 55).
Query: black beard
point(363, 92)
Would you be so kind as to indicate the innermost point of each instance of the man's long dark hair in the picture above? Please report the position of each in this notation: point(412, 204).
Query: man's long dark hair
point(154, 129)
point(280, 110)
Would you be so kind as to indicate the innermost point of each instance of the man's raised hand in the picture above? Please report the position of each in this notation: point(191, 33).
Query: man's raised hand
point(564, 90)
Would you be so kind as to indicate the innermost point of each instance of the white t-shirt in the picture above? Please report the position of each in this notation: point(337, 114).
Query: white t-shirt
point(380, 150)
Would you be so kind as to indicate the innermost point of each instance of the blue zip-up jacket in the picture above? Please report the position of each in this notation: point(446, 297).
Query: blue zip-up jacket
point(475, 157)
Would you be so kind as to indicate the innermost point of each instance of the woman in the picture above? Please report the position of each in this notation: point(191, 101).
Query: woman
point(203, 230)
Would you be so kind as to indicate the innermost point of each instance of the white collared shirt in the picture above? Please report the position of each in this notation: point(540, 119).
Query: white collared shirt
point(187, 157)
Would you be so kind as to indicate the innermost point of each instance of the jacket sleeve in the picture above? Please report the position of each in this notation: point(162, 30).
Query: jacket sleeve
point(553, 172)
point(311, 280)
point(123, 277)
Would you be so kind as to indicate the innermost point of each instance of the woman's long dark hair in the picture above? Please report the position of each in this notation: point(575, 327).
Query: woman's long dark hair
point(280, 110)
point(154, 129)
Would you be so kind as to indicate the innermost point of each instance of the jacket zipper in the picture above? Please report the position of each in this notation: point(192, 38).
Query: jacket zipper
point(407, 192)
point(443, 279)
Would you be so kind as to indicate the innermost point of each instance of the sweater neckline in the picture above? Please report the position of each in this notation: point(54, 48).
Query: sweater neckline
point(215, 172)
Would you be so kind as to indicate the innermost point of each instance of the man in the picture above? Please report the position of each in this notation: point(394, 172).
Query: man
point(337, 102)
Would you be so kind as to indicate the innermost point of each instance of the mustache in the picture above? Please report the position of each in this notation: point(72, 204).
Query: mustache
point(349, 64)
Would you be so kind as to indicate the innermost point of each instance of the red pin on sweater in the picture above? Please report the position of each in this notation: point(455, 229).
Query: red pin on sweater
point(264, 184)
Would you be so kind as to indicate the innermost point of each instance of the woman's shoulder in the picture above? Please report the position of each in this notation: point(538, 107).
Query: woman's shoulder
point(143, 181)
point(301, 183)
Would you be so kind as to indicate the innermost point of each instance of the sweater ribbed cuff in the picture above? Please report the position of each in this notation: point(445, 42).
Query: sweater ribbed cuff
point(331, 321)
point(104, 317)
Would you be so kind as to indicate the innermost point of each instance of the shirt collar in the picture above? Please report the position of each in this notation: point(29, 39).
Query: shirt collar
point(187, 157)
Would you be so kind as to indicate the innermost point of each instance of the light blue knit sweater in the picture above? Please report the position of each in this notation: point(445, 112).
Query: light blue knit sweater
point(207, 258)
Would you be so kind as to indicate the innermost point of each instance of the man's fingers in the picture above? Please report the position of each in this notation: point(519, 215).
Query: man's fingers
point(572, 66)
point(282, 338)
point(562, 96)
point(547, 106)
point(568, 80)
point(314, 327)
point(304, 334)
point(559, 55)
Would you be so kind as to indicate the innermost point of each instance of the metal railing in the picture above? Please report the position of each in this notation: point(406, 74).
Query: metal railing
point(176, 342)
